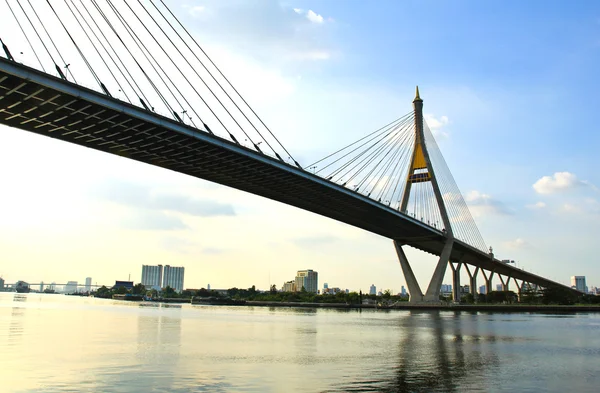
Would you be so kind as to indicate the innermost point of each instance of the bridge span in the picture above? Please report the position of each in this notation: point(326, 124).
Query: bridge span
point(37, 102)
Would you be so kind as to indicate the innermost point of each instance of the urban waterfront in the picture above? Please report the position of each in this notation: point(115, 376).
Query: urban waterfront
point(52, 343)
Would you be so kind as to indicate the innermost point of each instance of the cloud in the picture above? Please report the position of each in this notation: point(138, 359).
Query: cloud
point(314, 17)
point(481, 204)
point(560, 181)
point(214, 250)
point(311, 16)
point(517, 243)
point(265, 31)
point(537, 205)
point(313, 55)
point(312, 241)
point(152, 221)
point(436, 125)
point(138, 196)
point(196, 10)
point(588, 206)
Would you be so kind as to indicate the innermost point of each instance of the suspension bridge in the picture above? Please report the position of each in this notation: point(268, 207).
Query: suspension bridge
point(157, 97)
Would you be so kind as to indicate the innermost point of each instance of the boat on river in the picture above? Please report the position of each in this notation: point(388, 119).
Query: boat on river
point(22, 287)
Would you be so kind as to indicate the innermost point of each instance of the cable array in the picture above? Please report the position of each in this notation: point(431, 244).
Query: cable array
point(463, 225)
point(378, 166)
point(136, 51)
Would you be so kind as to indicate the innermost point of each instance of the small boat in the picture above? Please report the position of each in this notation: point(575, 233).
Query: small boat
point(22, 287)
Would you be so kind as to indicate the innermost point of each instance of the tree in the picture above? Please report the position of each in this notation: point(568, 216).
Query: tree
point(121, 290)
point(556, 295)
point(468, 298)
point(168, 292)
point(138, 289)
point(103, 290)
point(273, 289)
point(387, 294)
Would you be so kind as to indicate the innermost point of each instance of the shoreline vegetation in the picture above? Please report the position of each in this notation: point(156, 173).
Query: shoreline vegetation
point(547, 300)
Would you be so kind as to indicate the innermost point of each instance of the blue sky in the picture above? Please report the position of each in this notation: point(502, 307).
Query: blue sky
point(509, 87)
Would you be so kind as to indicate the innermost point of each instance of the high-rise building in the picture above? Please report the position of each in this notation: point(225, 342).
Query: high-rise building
point(71, 287)
point(208, 287)
point(1, 283)
point(173, 277)
point(373, 290)
point(325, 286)
point(499, 287)
point(307, 279)
point(446, 289)
point(403, 291)
point(88, 284)
point(152, 276)
point(482, 289)
point(578, 282)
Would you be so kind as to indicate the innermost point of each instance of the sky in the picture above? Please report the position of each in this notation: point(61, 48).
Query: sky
point(509, 88)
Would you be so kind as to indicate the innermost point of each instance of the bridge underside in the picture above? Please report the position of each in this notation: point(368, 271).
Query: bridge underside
point(37, 102)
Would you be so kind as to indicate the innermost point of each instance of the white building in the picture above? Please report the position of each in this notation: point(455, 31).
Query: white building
point(173, 277)
point(71, 287)
point(578, 282)
point(373, 290)
point(289, 286)
point(307, 279)
point(88, 284)
point(152, 276)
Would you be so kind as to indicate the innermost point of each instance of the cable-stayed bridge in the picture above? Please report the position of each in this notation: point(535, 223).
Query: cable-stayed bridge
point(158, 98)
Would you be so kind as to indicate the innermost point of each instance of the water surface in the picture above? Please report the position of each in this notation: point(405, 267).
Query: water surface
point(56, 343)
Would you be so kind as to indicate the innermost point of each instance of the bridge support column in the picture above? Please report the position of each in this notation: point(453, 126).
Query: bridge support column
point(488, 281)
point(416, 295)
point(456, 281)
point(504, 283)
point(519, 287)
point(472, 280)
point(433, 291)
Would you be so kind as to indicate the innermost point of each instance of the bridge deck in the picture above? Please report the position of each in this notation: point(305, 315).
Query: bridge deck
point(37, 102)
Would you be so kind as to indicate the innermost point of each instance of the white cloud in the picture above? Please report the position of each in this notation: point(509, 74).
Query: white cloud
point(314, 17)
point(570, 208)
point(537, 205)
point(481, 204)
point(196, 10)
point(437, 124)
point(560, 181)
point(313, 55)
point(517, 243)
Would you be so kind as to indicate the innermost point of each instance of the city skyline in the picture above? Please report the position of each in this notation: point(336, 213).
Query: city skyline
point(304, 90)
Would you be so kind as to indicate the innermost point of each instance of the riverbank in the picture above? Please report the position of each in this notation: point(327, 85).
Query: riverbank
point(441, 307)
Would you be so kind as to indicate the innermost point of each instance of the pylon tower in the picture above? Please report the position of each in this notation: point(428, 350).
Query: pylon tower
point(420, 171)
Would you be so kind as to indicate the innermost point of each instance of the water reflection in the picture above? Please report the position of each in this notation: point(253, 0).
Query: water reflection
point(438, 352)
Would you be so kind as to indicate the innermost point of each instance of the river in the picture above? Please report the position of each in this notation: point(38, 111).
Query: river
point(56, 343)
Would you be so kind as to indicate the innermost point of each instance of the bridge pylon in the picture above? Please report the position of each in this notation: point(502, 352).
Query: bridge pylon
point(421, 171)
